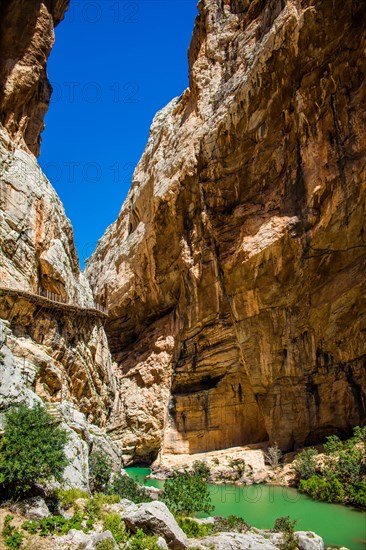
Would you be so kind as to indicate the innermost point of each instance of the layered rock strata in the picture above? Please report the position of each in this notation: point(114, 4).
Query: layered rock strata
point(57, 354)
point(235, 272)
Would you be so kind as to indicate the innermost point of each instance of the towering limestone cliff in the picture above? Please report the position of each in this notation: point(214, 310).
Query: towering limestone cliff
point(54, 349)
point(235, 273)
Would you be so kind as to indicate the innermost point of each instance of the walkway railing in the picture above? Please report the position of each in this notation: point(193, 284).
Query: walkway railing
point(47, 298)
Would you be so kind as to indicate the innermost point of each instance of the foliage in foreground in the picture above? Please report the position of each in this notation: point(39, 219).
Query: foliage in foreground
point(13, 537)
point(31, 450)
point(186, 494)
point(82, 520)
point(286, 526)
point(341, 476)
point(126, 487)
point(68, 497)
point(231, 523)
point(193, 529)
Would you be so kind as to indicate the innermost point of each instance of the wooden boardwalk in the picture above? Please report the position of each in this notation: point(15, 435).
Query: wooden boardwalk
point(50, 300)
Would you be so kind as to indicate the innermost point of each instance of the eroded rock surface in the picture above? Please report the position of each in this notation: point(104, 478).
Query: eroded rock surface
point(50, 354)
point(26, 39)
point(235, 273)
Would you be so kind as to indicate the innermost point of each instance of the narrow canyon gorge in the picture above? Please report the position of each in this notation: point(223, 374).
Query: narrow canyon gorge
point(235, 274)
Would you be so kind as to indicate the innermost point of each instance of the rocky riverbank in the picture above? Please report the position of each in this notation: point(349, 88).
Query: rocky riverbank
point(152, 521)
point(237, 465)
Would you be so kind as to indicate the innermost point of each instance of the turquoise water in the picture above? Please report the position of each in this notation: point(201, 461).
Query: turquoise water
point(261, 504)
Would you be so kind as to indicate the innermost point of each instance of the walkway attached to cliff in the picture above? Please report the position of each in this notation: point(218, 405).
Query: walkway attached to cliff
point(50, 300)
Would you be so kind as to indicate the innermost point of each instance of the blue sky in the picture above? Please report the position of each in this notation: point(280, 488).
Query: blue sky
point(114, 65)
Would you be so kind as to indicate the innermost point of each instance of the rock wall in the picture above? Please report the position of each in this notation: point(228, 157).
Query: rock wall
point(57, 354)
point(26, 39)
point(235, 272)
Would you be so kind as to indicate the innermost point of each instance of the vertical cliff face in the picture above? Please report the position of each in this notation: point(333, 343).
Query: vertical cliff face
point(235, 273)
point(60, 352)
point(26, 39)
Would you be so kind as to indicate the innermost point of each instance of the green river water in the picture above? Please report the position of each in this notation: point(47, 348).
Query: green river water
point(261, 504)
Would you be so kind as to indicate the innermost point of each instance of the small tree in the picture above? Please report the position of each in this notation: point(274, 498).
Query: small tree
point(306, 464)
point(126, 487)
point(100, 471)
point(273, 456)
point(201, 468)
point(31, 450)
point(287, 527)
point(186, 494)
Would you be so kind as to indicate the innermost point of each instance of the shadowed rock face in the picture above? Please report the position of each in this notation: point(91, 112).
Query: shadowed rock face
point(26, 39)
point(235, 273)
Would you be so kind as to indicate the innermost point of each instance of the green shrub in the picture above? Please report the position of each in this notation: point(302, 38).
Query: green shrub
point(30, 526)
point(100, 471)
point(201, 469)
point(68, 497)
point(357, 494)
point(333, 445)
point(113, 523)
point(126, 487)
point(286, 526)
point(305, 464)
point(106, 544)
point(186, 494)
point(102, 498)
point(143, 542)
point(359, 436)
point(349, 466)
point(193, 529)
point(231, 523)
point(31, 450)
point(321, 488)
point(15, 540)
point(52, 525)
point(13, 537)
point(342, 475)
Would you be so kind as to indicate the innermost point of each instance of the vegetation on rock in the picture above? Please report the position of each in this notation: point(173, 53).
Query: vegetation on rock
point(341, 475)
point(186, 494)
point(100, 471)
point(193, 529)
point(273, 456)
point(231, 523)
point(126, 487)
point(31, 450)
point(286, 526)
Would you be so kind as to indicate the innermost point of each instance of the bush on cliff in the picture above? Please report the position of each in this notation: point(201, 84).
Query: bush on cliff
point(31, 450)
point(100, 471)
point(306, 463)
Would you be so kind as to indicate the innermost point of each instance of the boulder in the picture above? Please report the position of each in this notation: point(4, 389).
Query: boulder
point(32, 508)
point(154, 518)
point(233, 541)
point(89, 541)
point(307, 540)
